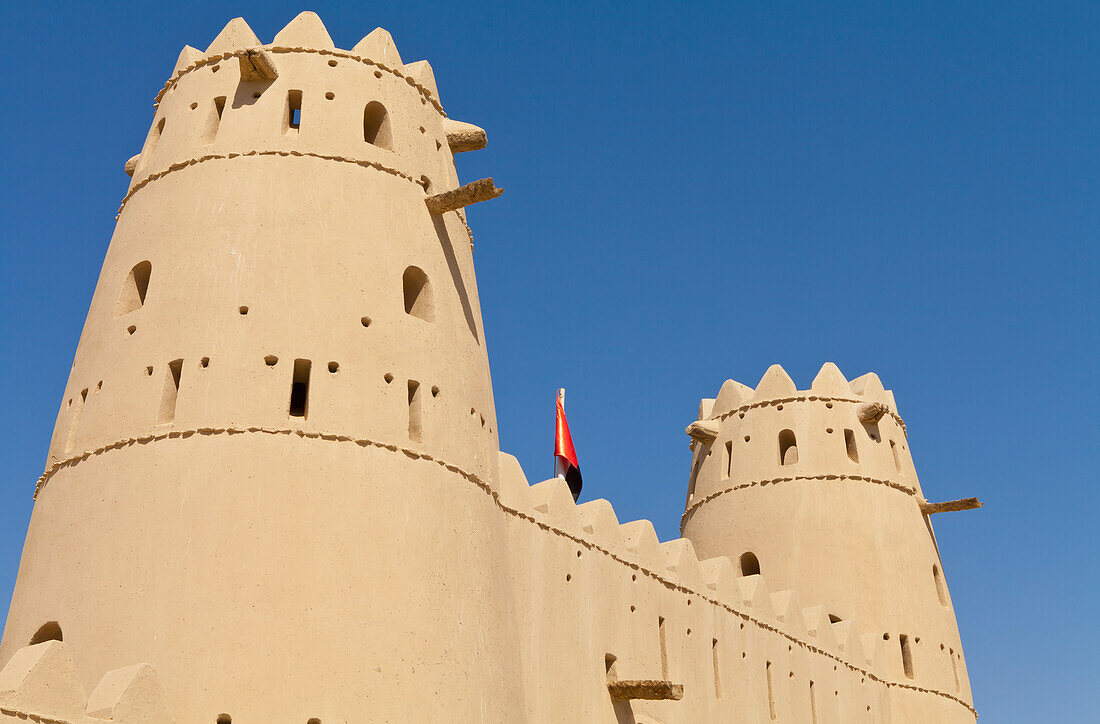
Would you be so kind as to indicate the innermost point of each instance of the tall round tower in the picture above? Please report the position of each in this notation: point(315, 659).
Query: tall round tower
point(279, 403)
point(817, 490)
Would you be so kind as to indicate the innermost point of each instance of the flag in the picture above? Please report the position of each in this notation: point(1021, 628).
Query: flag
point(565, 457)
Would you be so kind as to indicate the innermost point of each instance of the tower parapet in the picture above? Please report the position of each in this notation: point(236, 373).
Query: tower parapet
point(817, 489)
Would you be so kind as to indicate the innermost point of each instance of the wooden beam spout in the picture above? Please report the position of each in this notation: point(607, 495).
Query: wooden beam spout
point(463, 196)
point(950, 506)
point(257, 64)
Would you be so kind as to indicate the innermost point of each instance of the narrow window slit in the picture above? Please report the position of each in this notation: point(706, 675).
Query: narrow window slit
point(155, 134)
point(771, 693)
point(299, 388)
point(729, 458)
point(717, 670)
point(850, 446)
point(664, 647)
point(941, 589)
point(415, 429)
point(813, 705)
point(293, 111)
point(906, 655)
point(171, 392)
point(897, 458)
point(75, 423)
point(213, 121)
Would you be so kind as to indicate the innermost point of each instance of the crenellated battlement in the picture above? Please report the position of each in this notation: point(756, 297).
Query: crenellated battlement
point(776, 433)
point(300, 96)
point(635, 553)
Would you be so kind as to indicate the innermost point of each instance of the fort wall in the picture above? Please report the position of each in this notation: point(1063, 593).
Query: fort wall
point(274, 491)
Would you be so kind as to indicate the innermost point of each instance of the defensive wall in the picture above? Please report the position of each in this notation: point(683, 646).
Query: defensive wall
point(273, 491)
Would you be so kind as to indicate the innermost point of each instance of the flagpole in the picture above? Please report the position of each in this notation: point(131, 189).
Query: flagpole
point(559, 469)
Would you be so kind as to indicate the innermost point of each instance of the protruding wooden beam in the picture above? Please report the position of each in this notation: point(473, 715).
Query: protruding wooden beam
point(703, 430)
point(872, 412)
point(463, 196)
point(652, 689)
point(464, 136)
point(950, 506)
point(257, 64)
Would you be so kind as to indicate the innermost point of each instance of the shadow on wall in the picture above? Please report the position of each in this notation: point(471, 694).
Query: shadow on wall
point(456, 274)
point(624, 714)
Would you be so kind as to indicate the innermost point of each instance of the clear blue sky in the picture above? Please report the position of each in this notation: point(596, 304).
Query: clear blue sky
point(693, 193)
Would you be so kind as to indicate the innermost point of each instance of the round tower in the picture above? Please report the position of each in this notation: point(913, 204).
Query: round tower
point(817, 491)
point(274, 469)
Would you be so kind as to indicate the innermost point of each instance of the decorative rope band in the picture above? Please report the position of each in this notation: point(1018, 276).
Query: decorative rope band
point(809, 398)
point(486, 488)
point(217, 58)
point(182, 434)
point(40, 718)
point(217, 156)
point(794, 478)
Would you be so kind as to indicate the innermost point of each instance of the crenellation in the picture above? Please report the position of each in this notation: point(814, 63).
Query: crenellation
point(305, 30)
point(681, 562)
point(599, 521)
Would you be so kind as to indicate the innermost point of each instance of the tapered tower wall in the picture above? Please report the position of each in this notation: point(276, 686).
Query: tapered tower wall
point(268, 427)
point(828, 505)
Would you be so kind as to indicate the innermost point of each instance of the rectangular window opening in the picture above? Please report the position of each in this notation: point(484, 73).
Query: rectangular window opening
point(416, 432)
point(906, 655)
point(717, 670)
point(293, 110)
point(299, 388)
point(771, 692)
point(171, 391)
point(664, 647)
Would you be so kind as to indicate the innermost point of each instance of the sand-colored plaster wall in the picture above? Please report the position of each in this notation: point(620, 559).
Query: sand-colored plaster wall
point(595, 587)
point(208, 550)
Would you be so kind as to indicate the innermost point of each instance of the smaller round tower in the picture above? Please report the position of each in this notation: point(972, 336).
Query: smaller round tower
point(817, 490)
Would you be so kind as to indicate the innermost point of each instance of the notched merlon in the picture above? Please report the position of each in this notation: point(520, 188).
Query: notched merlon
point(257, 65)
point(463, 196)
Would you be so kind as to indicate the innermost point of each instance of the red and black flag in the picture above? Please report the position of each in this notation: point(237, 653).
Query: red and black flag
point(565, 457)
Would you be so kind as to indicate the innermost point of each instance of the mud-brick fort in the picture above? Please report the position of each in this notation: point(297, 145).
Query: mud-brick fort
point(274, 492)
